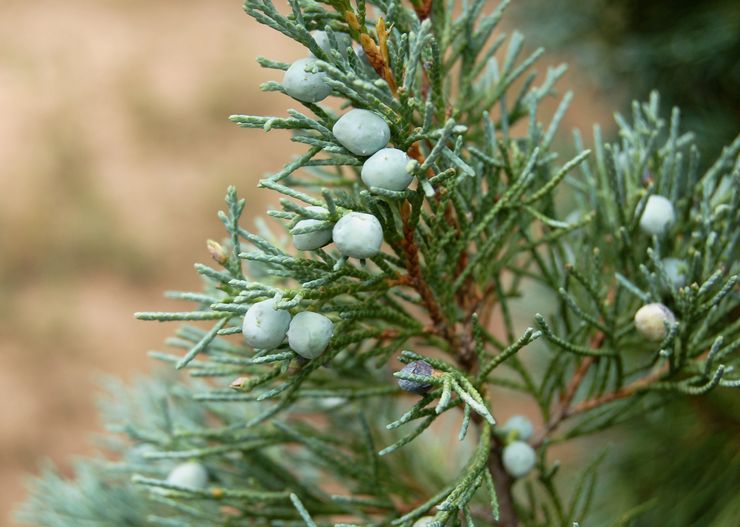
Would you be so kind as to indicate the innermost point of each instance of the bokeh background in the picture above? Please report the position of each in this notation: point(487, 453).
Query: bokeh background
point(115, 152)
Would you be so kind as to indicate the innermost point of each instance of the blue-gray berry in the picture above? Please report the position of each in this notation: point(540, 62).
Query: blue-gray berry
point(362, 132)
point(388, 169)
point(358, 235)
point(303, 85)
point(657, 216)
point(677, 270)
point(419, 367)
point(264, 326)
point(310, 241)
point(518, 458)
point(364, 60)
point(520, 426)
point(190, 474)
point(309, 334)
point(344, 41)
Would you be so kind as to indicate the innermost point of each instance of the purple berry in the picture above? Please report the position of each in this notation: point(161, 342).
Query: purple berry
point(418, 367)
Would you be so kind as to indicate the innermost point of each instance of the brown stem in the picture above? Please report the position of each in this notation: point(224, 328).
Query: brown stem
point(566, 399)
point(622, 393)
point(569, 410)
point(503, 483)
point(468, 361)
point(413, 267)
point(468, 297)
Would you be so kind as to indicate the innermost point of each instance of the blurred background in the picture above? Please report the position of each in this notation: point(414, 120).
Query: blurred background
point(115, 153)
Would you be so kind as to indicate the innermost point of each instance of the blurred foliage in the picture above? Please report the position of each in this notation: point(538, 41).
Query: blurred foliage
point(95, 176)
point(688, 50)
point(692, 449)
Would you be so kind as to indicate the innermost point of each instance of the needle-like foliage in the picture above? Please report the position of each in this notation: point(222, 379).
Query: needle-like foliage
point(497, 228)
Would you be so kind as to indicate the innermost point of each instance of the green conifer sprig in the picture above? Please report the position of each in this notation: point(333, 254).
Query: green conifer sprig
point(482, 227)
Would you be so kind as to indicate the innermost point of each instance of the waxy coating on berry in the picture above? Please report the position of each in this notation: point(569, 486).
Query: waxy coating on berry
point(264, 326)
point(362, 132)
point(424, 521)
point(519, 458)
point(388, 169)
point(310, 241)
point(520, 426)
point(358, 235)
point(309, 334)
point(677, 270)
point(657, 216)
point(190, 474)
point(303, 85)
point(365, 61)
point(419, 367)
point(344, 41)
point(651, 319)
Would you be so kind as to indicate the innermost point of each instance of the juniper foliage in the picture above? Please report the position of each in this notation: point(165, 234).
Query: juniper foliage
point(482, 230)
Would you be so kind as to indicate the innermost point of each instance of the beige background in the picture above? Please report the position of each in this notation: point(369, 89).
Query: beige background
point(115, 153)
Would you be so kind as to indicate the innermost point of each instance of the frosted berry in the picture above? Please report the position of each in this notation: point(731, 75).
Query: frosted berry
point(190, 474)
point(358, 235)
point(362, 132)
point(676, 270)
point(303, 85)
point(365, 63)
point(657, 216)
point(344, 41)
point(264, 326)
point(519, 425)
point(360, 52)
point(418, 367)
point(309, 334)
point(519, 458)
point(310, 241)
point(650, 321)
point(387, 168)
point(424, 521)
